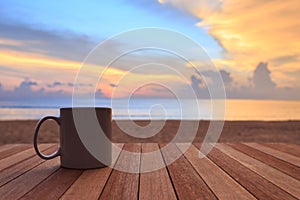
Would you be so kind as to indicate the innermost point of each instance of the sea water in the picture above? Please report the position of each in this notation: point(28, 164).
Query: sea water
point(163, 109)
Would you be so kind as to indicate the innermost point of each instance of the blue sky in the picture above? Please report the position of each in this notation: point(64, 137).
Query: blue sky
point(103, 19)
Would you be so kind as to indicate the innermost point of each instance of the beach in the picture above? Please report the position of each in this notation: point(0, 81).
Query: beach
point(21, 131)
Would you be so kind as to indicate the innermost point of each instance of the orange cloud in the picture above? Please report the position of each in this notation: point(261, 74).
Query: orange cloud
point(10, 42)
point(22, 59)
point(45, 69)
point(252, 31)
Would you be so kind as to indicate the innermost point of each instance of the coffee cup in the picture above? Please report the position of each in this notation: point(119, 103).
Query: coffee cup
point(85, 137)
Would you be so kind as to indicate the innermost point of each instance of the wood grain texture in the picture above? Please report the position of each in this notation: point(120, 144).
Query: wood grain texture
point(18, 157)
point(124, 185)
point(4, 147)
point(154, 184)
point(257, 185)
point(14, 171)
point(279, 164)
point(275, 176)
point(54, 186)
point(23, 184)
point(91, 183)
point(276, 153)
point(13, 149)
point(293, 149)
point(230, 171)
point(116, 150)
point(187, 182)
point(223, 186)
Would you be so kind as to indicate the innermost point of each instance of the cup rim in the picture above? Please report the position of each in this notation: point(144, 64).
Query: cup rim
point(85, 108)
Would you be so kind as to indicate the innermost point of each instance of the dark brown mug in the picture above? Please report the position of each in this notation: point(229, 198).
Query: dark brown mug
point(74, 151)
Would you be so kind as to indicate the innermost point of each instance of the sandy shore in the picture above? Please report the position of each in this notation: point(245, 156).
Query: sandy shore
point(233, 131)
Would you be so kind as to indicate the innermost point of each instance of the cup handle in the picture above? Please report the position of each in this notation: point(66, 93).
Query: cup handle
point(37, 128)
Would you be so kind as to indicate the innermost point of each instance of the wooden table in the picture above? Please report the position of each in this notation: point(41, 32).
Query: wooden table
point(230, 171)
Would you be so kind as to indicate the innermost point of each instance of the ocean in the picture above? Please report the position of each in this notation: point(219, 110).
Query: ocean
point(267, 110)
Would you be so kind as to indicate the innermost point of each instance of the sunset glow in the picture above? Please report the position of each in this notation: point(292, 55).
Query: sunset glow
point(47, 51)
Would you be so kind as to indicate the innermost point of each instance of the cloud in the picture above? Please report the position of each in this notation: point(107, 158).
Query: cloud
point(28, 89)
point(31, 90)
point(64, 45)
point(251, 31)
point(44, 54)
point(196, 81)
point(204, 81)
point(263, 87)
point(260, 86)
point(55, 84)
point(40, 53)
point(214, 75)
point(60, 84)
point(226, 77)
point(199, 8)
point(25, 89)
point(70, 84)
point(285, 59)
point(199, 87)
point(261, 77)
point(113, 85)
point(99, 94)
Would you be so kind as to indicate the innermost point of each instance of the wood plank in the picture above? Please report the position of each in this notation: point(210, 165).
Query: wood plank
point(23, 184)
point(11, 173)
point(13, 150)
point(276, 153)
point(124, 185)
point(223, 186)
point(18, 157)
point(279, 164)
point(93, 181)
point(293, 149)
point(280, 179)
point(154, 184)
point(8, 146)
point(57, 183)
point(116, 153)
point(257, 185)
point(187, 182)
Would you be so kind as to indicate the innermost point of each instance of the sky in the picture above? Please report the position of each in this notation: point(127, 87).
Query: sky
point(253, 44)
